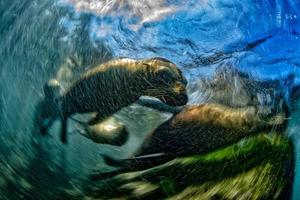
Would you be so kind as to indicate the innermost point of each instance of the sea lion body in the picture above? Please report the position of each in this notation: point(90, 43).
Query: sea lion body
point(117, 84)
point(105, 89)
point(203, 128)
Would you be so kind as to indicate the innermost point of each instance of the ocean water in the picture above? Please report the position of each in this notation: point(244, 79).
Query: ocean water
point(43, 39)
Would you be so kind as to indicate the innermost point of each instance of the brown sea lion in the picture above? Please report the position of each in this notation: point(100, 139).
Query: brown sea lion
point(196, 129)
point(203, 128)
point(111, 86)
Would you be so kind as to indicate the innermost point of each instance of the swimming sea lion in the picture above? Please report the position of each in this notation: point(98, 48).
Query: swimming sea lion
point(196, 129)
point(113, 85)
point(206, 127)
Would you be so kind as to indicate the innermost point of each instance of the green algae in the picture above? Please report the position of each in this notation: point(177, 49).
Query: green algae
point(257, 167)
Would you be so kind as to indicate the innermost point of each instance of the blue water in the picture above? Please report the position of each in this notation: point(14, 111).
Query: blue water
point(49, 38)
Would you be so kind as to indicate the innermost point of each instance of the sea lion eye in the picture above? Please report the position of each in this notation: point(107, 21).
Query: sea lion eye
point(165, 76)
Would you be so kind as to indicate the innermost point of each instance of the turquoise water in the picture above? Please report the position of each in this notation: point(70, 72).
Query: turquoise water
point(44, 39)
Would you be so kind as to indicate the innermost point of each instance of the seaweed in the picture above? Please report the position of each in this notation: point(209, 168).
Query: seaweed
point(258, 167)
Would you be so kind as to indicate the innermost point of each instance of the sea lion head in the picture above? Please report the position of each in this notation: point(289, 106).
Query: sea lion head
point(166, 82)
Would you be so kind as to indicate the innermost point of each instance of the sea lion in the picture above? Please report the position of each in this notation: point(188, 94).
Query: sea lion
point(206, 127)
point(109, 87)
point(196, 129)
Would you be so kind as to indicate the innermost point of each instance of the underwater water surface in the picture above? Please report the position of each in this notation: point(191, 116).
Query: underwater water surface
point(43, 39)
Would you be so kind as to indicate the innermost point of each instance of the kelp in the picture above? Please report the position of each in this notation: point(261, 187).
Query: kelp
point(257, 167)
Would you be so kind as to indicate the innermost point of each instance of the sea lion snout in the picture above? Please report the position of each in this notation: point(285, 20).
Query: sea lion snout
point(173, 95)
point(178, 95)
point(179, 88)
point(176, 100)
